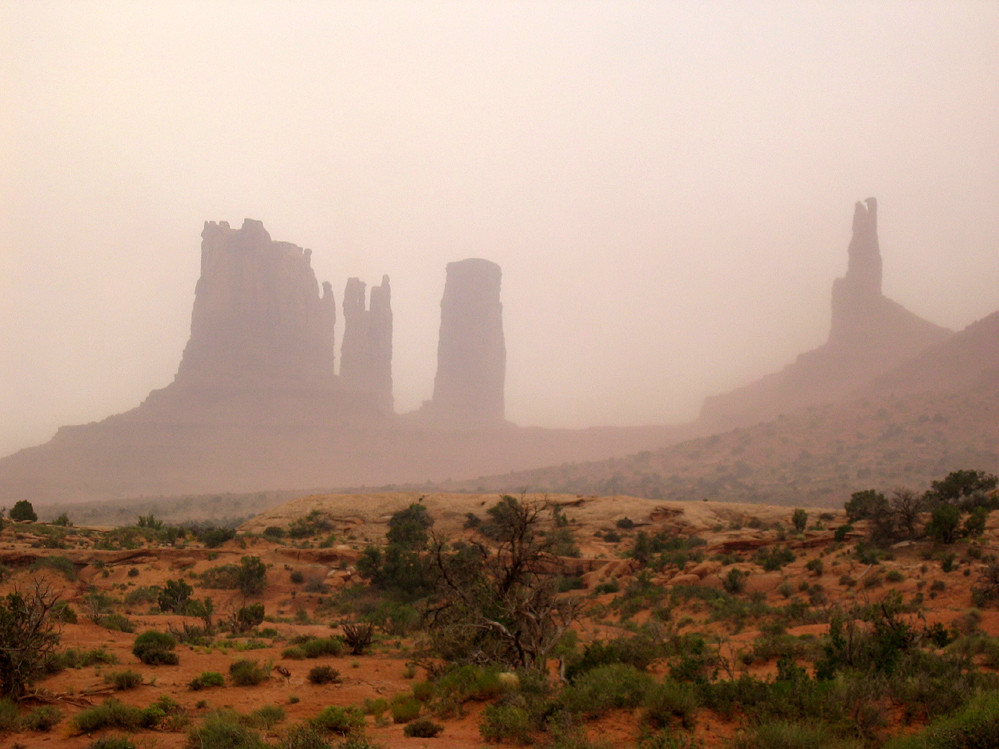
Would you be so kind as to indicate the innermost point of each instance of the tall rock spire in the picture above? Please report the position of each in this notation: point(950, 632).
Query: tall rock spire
point(471, 351)
point(868, 335)
point(366, 352)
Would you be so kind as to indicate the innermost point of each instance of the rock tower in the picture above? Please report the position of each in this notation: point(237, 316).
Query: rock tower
point(471, 351)
point(259, 320)
point(366, 352)
point(869, 334)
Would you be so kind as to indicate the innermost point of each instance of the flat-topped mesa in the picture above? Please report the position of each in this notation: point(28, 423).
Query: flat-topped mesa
point(259, 320)
point(471, 351)
point(366, 351)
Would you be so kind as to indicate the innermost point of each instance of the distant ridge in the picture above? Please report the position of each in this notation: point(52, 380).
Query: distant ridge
point(934, 413)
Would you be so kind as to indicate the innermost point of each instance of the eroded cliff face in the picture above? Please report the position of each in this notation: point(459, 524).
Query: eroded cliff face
point(471, 350)
point(869, 335)
point(259, 320)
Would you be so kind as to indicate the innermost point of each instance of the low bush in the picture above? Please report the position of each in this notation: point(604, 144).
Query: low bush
point(505, 722)
point(246, 673)
point(111, 713)
point(617, 685)
point(323, 675)
point(111, 742)
point(670, 703)
point(154, 648)
point(224, 730)
point(42, 718)
point(266, 717)
point(423, 728)
point(305, 736)
point(358, 637)
point(295, 653)
point(206, 680)
point(340, 720)
point(122, 680)
point(405, 708)
point(779, 734)
point(319, 646)
point(975, 725)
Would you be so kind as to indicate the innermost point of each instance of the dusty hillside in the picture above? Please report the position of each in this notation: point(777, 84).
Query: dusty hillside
point(721, 591)
point(815, 457)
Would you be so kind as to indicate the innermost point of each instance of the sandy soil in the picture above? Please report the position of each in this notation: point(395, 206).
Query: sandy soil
point(357, 519)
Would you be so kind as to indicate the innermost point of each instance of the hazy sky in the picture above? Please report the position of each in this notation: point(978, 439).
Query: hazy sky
point(668, 186)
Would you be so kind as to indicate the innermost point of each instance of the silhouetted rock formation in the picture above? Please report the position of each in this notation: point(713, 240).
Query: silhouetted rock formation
point(259, 320)
point(366, 353)
point(869, 335)
point(471, 352)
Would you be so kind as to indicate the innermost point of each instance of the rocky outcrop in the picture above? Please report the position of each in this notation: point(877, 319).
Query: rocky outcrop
point(366, 353)
point(471, 351)
point(869, 335)
point(259, 319)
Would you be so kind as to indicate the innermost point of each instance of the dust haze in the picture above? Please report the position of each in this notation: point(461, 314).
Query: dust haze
point(666, 186)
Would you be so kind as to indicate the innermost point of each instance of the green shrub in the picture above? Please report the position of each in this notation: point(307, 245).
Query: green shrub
point(305, 736)
point(405, 709)
point(976, 725)
point(224, 730)
point(297, 577)
point(115, 622)
point(799, 519)
point(63, 565)
point(323, 675)
point(111, 713)
point(266, 717)
point(773, 558)
point(63, 612)
point(944, 523)
point(174, 596)
point(246, 673)
point(10, 717)
point(22, 511)
point(669, 703)
point(154, 648)
point(505, 722)
point(735, 581)
point(111, 742)
point(603, 688)
point(423, 728)
point(340, 720)
point(640, 651)
point(779, 734)
point(122, 680)
point(206, 680)
point(320, 646)
point(42, 718)
point(295, 653)
point(249, 617)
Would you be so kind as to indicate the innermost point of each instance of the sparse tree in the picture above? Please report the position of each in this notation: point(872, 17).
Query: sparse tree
point(799, 518)
point(944, 524)
point(501, 602)
point(906, 505)
point(28, 635)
